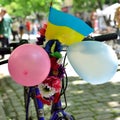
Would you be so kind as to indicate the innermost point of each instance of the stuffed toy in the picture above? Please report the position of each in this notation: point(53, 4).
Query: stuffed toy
point(50, 90)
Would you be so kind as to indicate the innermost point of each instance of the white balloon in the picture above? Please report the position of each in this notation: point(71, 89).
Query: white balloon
point(94, 61)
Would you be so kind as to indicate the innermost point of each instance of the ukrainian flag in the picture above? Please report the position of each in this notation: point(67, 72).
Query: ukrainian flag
point(67, 28)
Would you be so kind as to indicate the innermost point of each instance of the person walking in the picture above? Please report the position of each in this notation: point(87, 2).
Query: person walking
point(94, 22)
point(15, 30)
point(28, 28)
point(21, 29)
point(5, 28)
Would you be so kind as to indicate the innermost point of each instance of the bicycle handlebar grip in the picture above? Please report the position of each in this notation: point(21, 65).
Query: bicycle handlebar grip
point(6, 50)
point(3, 62)
point(105, 37)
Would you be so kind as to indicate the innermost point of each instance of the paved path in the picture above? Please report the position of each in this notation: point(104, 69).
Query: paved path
point(85, 101)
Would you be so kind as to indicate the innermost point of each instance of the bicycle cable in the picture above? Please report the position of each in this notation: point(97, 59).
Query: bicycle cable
point(64, 84)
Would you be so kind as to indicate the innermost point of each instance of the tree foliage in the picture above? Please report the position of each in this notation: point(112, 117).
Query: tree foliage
point(23, 8)
point(90, 5)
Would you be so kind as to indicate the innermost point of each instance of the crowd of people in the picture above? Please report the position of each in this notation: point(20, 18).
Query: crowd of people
point(16, 27)
point(27, 26)
point(100, 23)
point(24, 26)
point(5, 28)
point(12, 29)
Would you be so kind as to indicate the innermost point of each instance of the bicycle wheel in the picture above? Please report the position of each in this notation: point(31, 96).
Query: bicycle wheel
point(61, 115)
point(66, 118)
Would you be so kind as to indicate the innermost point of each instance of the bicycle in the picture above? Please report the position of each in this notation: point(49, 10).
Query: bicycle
point(56, 74)
point(34, 92)
point(57, 112)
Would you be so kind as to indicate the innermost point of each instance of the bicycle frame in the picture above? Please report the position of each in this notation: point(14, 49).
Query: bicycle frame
point(57, 113)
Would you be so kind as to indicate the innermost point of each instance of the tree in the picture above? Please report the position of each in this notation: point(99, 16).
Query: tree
point(91, 5)
point(23, 8)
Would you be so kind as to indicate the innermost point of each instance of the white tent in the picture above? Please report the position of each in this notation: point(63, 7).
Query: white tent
point(110, 10)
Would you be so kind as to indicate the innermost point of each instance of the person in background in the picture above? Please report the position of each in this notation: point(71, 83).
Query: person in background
point(21, 29)
point(28, 28)
point(15, 29)
point(78, 15)
point(5, 28)
point(117, 21)
point(1, 25)
point(34, 29)
point(94, 22)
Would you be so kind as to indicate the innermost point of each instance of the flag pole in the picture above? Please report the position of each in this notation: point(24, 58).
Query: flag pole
point(51, 3)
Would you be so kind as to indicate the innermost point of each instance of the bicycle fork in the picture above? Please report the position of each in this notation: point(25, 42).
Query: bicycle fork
point(33, 91)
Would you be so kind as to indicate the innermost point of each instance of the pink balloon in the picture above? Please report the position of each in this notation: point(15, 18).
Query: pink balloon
point(29, 65)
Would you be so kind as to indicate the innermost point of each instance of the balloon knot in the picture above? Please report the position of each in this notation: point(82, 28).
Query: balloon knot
point(25, 73)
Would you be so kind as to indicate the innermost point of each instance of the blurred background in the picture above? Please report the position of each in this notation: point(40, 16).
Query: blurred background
point(37, 11)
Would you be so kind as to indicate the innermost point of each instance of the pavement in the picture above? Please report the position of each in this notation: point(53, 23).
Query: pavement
point(84, 101)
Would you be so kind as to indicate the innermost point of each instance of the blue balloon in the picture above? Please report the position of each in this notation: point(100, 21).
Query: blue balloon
point(95, 62)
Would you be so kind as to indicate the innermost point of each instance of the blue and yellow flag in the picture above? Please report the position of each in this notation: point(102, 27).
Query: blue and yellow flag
point(67, 28)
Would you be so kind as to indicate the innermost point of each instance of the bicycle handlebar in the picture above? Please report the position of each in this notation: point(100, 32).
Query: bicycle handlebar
point(105, 37)
point(12, 46)
point(5, 50)
point(101, 38)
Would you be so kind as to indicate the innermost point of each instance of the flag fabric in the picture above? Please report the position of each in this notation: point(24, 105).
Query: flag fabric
point(67, 28)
